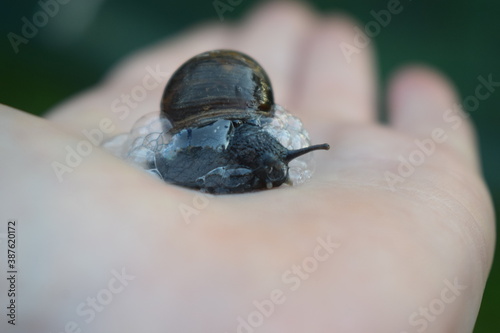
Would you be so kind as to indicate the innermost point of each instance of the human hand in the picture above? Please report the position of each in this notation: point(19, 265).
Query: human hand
point(198, 264)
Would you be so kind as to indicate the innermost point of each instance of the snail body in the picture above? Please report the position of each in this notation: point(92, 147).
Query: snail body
point(218, 104)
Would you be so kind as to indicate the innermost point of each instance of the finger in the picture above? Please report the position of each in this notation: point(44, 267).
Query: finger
point(135, 86)
point(272, 35)
point(335, 84)
point(424, 104)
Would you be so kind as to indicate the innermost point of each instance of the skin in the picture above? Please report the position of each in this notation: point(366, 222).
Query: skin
point(396, 249)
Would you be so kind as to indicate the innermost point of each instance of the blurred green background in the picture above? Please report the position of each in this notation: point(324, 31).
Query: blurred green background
point(81, 42)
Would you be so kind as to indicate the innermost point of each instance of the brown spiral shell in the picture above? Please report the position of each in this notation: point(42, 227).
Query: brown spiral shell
point(217, 84)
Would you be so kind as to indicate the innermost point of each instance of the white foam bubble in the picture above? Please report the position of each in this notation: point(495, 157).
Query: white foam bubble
point(151, 134)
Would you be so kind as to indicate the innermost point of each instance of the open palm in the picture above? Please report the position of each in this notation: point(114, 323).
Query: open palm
point(394, 233)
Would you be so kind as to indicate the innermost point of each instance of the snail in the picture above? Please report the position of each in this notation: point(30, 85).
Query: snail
point(219, 130)
point(217, 104)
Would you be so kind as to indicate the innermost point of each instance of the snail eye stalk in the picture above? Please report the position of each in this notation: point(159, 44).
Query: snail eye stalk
point(292, 154)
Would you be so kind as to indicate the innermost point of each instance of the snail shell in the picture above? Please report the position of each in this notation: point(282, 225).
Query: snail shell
point(217, 84)
point(216, 103)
